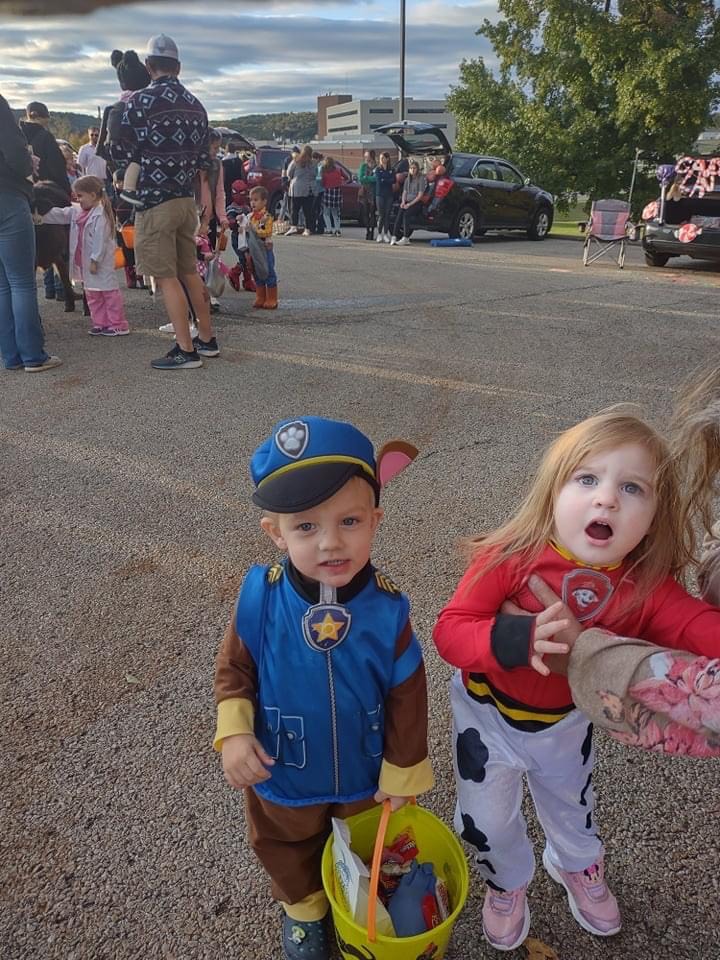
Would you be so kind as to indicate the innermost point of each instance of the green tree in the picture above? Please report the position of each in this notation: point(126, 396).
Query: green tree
point(580, 84)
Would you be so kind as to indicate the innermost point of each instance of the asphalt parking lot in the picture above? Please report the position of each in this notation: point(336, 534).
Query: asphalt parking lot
point(127, 527)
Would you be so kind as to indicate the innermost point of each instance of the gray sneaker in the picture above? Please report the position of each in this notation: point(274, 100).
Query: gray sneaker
point(177, 359)
point(45, 365)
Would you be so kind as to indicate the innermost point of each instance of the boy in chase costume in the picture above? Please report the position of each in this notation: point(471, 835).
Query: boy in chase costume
point(320, 683)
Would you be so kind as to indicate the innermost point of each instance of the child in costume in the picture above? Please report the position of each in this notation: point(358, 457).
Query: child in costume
point(320, 683)
point(92, 254)
point(238, 211)
point(260, 244)
point(608, 526)
point(132, 76)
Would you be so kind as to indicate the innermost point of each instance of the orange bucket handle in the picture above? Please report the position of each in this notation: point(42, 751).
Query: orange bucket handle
point(375, 869)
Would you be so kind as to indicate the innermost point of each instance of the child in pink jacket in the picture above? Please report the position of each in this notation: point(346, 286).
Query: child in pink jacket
point(92, 255)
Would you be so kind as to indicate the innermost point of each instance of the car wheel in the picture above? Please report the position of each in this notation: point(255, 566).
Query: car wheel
point(540, 226)
point(465, 224)
point(656, 259)
point(276, 205)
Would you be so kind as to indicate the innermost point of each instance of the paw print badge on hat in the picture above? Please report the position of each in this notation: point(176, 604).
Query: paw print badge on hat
point(292, 439)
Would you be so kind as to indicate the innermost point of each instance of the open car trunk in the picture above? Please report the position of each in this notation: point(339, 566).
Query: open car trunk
point(703, 211)
point(417, 139)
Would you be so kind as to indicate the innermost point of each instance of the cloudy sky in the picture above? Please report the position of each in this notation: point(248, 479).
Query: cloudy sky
point(246, 56)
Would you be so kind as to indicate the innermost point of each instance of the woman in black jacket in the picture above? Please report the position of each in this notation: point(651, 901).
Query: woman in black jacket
point(21, 334)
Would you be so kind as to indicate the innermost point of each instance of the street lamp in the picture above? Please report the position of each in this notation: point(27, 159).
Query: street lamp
point(402, 60)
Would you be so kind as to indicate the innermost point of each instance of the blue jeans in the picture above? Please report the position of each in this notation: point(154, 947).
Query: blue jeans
point(22, 338)
point(271, 279)
point(53, 284)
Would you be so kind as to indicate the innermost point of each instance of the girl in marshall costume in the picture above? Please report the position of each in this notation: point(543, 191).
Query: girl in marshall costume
point(608, 525)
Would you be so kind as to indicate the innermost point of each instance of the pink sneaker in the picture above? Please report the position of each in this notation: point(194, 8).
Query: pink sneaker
point(506, 917)
point(591, 903)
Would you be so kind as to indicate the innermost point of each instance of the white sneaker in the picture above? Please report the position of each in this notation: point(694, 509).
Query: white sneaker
point(403, 241)
point(306, 233)
point(386, 238)
point(379, 238)
point(291, 231)
point(393, 241)
point(167, 328)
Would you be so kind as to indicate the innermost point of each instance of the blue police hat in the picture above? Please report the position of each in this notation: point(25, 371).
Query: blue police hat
point(305, 461)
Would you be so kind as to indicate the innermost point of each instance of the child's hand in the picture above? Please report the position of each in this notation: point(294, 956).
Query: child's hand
point(93, 266)
point(244, 761)
point(395, 802)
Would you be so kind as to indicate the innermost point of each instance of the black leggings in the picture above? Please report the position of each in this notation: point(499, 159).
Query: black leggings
point(306, 205)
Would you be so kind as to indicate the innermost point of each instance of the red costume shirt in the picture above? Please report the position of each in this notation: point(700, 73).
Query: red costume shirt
point(492, 649)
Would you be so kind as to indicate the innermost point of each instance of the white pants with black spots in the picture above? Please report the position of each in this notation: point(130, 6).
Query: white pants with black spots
point(490, 758)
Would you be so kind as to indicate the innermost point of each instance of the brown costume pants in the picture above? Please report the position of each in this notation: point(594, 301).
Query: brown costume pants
point(289, 841)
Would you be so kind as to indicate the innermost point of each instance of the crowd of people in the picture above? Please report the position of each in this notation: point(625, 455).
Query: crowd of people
point(161, 207)
point(155, 204)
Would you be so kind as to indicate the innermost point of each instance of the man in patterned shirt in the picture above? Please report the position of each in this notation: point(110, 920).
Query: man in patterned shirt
point(165, 130)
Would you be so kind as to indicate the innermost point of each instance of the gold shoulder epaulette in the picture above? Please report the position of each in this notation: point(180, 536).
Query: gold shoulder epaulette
point(386, 584)
point(275, 572)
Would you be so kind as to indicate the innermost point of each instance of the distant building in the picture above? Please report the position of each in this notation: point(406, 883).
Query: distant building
point(323, 103)
point(350, 119)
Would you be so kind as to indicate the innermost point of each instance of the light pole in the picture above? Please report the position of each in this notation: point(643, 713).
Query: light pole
point(402, 60)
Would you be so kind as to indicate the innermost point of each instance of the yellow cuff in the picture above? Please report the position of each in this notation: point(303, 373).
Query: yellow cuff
point(406, 781)
point(312, 907)
point(233, 716)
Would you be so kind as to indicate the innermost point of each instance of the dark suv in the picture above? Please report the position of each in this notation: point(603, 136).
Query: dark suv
point(265, 167)
point(486, 193)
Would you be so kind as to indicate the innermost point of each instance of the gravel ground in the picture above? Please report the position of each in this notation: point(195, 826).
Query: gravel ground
point(127, 529)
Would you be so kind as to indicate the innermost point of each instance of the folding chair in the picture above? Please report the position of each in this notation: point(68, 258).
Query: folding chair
point(607, 230)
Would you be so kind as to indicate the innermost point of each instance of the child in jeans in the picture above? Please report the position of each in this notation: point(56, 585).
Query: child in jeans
point(320, 683)
point(92, 255)
point(260, 244)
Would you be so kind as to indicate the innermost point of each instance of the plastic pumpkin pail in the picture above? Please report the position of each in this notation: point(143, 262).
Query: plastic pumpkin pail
point(119, 258)
point(436, 844)
point(128, 235)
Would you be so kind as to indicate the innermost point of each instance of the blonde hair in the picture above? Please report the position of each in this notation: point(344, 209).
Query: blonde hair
point(667, 547)
point(95, 186)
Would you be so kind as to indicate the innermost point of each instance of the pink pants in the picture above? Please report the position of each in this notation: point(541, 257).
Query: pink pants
point(106, 309)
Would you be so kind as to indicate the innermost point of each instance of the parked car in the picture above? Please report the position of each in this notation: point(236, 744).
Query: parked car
point(487, 193)
point(264, 169)
point(687, 227)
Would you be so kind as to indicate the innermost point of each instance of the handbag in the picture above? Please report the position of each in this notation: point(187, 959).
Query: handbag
point(214, 279)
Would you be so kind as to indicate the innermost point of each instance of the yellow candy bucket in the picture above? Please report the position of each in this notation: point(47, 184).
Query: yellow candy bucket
point(436, 844)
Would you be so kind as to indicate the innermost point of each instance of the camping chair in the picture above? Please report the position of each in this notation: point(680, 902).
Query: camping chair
point(607, 229)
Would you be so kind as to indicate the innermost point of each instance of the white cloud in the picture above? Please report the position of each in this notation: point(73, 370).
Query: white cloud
point(245, 58)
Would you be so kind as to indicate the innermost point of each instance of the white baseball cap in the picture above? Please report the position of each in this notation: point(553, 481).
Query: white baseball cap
point(162, 46)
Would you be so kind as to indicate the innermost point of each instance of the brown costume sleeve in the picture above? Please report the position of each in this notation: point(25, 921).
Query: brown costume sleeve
point(406, 768)
point(235, 687)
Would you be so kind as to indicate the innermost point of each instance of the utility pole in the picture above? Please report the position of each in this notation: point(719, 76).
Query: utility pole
point(402, 60)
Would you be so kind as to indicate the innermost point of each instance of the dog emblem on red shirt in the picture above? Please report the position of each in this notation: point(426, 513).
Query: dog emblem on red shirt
point(586, 592)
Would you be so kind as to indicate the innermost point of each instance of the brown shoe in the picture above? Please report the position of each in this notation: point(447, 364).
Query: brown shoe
point(271, 298)
point(260, 294)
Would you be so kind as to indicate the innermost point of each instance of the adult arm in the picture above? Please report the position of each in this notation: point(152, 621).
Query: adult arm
point(648, 696)
point(13, 144)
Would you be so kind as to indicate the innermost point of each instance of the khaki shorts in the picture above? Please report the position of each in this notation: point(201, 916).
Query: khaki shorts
point(165, 239)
